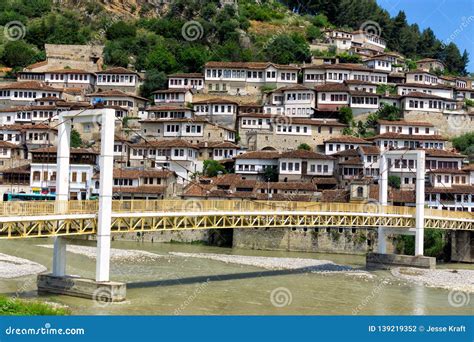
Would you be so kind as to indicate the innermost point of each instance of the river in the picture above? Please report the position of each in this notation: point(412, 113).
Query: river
point(185, 285)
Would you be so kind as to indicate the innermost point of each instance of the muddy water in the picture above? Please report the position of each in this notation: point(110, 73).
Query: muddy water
point(177, 285)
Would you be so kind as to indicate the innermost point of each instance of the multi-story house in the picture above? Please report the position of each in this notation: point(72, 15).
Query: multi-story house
point(130, 102)
point(246, 78)
point(365, 86)
point(217, 110)
point(421, 77)
point(44, 170)
point(342, 143)
point(217, 150)
point(338, 73)
point(369, 40)
point(378, 63)
point(430, 64)
point(70, 78)
point(257, 164)
point(450, 186)
point(148, 184)
point(118, 79)
point(332, 96)
point(436, 90)
point(417, 101)
point(341, 39)
point(300, 165)
point(194, 130)
point(24, 93)
point(363, 102)
point(11, 155)
point(173, 95)
point(177, 155)
point(186, 81)
point(296, 101)
point(168, 111)
point(267, 131)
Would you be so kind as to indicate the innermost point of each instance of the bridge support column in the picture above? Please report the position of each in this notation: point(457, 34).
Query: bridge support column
point(420, 203)
point(382, 259)
point(106, 163)
point(383, 200)
point(62, 192)
point(100, 289)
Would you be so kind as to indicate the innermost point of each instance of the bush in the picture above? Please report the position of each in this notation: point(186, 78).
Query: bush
point(304, 146)
point(345, 115)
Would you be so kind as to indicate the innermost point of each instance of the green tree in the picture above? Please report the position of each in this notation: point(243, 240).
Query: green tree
point(464, 143)
point(76, 140)
point(19, 54)
point(394, 181)
point(270, 174)
point(312, 33)
point(286, 49)
point(345, 115)
point(304, 146)
point(212, 168)
point(161, 59)
point(121, 29)
point(154, 80)
point(389, 112)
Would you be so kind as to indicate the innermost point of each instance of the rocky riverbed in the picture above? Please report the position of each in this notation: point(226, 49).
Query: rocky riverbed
point(14, 267)
point(458, 280)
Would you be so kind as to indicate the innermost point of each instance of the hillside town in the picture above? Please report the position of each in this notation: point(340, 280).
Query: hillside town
point(242, 130)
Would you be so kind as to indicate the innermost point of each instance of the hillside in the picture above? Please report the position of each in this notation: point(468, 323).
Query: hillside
point(162, 37)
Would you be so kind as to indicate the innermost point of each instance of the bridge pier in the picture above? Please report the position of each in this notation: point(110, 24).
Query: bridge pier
point(382, 259)
point(59, 282)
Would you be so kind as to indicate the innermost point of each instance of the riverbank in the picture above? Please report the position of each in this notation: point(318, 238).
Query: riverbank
point(21, 307)
point(449, 279)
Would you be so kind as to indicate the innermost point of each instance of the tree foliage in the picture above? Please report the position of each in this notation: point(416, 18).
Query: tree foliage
point(76, 140)
point(304, 146)
point(212, 168)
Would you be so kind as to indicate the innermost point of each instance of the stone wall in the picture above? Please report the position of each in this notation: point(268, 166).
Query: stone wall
point(187, 236)
point(449, 124)
point(322, 240)
point(86, 57)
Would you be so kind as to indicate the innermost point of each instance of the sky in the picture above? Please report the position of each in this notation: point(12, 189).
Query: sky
point(450, 20)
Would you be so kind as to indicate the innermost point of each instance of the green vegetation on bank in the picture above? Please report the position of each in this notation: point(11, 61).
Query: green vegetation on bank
point(21, 307)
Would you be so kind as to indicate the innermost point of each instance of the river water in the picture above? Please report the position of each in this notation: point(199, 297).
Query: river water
point(178, 285)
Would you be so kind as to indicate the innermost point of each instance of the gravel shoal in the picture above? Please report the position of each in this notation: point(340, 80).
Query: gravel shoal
point(274, 263)
point(115, 254)
point(13, 267)
point(458, 280)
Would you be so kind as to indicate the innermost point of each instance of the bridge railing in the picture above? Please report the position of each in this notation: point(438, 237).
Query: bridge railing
point(37, 208)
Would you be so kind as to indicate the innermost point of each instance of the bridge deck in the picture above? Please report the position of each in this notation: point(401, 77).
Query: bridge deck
point(45, 219)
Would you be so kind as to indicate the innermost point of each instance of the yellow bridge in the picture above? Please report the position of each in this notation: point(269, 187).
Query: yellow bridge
point(68, 218)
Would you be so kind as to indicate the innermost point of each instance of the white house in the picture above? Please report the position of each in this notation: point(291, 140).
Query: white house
point(173, 95)
point(186, 81)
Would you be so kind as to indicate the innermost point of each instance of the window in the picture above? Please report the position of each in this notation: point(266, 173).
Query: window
point(74, 177)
